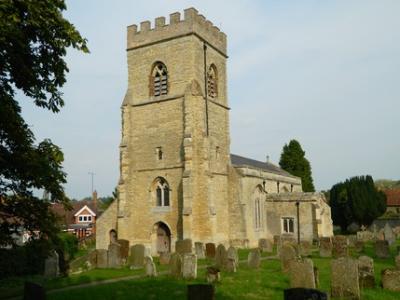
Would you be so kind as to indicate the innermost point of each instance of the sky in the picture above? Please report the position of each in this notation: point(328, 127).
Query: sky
point(326, 73)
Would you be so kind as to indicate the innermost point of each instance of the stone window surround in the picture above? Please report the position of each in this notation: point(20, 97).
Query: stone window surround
point(162, 185)
point(283, 219)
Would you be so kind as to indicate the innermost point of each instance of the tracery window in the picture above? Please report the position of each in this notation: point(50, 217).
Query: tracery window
point(212, 89)
point(159, 80)
point(162, 192)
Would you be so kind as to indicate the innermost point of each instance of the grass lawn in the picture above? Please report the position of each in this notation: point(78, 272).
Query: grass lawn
point(266, 283)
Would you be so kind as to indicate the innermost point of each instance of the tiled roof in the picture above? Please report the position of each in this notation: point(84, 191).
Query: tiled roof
point(268, 167)
point(68, 215)
point(393, 197)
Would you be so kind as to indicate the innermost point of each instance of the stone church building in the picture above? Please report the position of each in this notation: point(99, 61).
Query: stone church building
point(178, 178)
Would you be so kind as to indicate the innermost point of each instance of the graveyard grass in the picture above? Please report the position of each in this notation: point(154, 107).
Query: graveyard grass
point(268, 282)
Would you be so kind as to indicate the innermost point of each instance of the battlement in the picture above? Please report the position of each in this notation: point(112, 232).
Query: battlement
point(192, 23)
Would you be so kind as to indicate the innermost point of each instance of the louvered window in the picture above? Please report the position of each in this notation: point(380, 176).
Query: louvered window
point(159, 80)
point(212, 90)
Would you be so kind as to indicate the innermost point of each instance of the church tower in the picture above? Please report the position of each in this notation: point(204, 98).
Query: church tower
point(174, 153)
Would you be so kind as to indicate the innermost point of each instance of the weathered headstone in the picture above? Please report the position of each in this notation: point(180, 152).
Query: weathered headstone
point(124, 249)
point(189, 266)
point(287, 255)
point(340, 246)
point(344, 278)
point(325, 247)
point(184, 246)
point(51, 265)
point(34, 291)
point(92, 258)
point(366, 273)
point(382, 249)
point(150, 267)
point(102, 258)
point(201, 292)
point(265, 245)
point(114, 255)
point(388, 234)
point(305, 248)
point(352, 240)
point(304, 294)
point(213, 275)
point(316, 277)
point(254, 258)
point(391, 279)
point(232, 255)
point(210, 250)
point(365, 236)
point(199, 250)
point(164, 258)
point(220, 256)
point(175, 265)
point(301, 274)
point(136, 258)
point(397, 262)
point(359, 246)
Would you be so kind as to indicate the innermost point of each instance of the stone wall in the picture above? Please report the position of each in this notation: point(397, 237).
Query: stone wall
point(106, 222)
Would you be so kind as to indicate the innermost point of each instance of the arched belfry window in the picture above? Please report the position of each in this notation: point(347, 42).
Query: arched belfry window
point(162, 192)
point(212, 88)
point(159, 80)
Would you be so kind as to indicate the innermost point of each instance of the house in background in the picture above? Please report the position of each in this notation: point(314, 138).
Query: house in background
point(393, 200)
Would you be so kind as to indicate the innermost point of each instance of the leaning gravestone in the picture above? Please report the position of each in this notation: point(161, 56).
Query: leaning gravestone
point(301, 274)
point(359, 246)
point(305, 248)
point(175, 265)
point(287, 255)
point(183, 246)
point(340, 248)
point(136, 259)
point(164, 258)
point(265, 245)
point(34, 291)
point(325, 247)
point(201, 292)
point(189, 266)
point(344, 278)
point(199, 250)
point(382, 249)
point(388, 234)
point(51, 265)
point(366, 273)
point(304, 294)
point(102, 258)
point(213, 275)
point(114, 256)
point(220, 256)
point(124, 249)
point(391, 279)
point(232, 253)
point(150, 267)
point(210, 250)
point(254, 259)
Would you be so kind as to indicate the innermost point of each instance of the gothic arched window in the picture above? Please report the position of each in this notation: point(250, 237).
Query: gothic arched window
point(257, 196)
point(159, 80)
point(162, 192)
point(212, 88)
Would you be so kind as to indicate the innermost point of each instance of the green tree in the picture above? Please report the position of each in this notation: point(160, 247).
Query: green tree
point(34, 37)
point(293, 160)
point(356, 200)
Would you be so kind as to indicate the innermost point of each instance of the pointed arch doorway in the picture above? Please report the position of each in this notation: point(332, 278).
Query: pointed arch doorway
point(163, 237)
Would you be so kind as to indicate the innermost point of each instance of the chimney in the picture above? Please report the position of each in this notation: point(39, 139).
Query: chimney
point(94, 199)
point(267, 159)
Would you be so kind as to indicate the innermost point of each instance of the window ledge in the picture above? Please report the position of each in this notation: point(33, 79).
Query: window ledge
point(161, 209)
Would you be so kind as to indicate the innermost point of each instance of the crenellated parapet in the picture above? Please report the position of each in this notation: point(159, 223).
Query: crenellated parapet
point(192, 23)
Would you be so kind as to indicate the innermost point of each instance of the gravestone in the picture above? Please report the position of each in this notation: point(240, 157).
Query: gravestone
point(316, 277)
point(210, 250)
point(164, 258)
point(220, 256)
point(254, 259)
point(344, 278)
point(397, 262)
point(232, 255)
point(175, 265)
point(265, 245)
point(102, 258)
point(231, 265)
point(213, 275)
point(287, 255)
point(150, 267)
point(92, 258)
point(359, 246)
point(124, 249)
point(34, 291)
point(183, 246)
point(382, 249)
point(199, 250)
point(114, 256)
point(366, 273)
point(325, 247)
point(352, 240)
point(391, 279)
point(136, 258)
point(301, 274)
point(340, 248)
point(365, 236)
point(189, 266)
point(201, 292)
point(388, 234)
point(304, 294)
point(51, 265)
point(305, 248)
